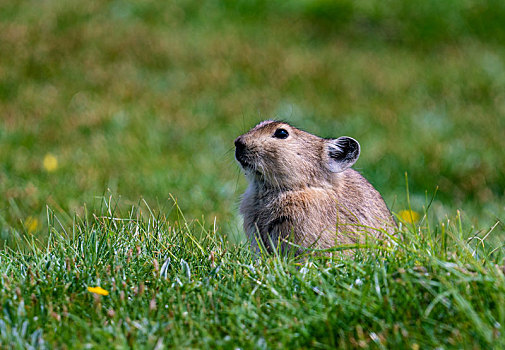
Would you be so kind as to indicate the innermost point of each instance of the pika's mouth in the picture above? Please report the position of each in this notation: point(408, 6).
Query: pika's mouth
point(246, 164)
point(241, 153)
point(241, 157)
point(245, 158)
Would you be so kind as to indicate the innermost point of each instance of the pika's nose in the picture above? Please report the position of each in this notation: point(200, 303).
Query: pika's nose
point(240, 150)
point(239, 145)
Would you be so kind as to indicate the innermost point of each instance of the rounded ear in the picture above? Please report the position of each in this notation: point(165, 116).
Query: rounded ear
point(342, 153)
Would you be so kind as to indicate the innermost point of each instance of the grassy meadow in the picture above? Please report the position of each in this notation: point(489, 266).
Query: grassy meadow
point(117, 121)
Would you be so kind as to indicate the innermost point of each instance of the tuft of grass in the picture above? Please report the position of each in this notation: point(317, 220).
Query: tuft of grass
point(141, 279)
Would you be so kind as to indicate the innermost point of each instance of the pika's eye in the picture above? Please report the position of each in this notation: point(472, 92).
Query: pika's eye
point(281, 134)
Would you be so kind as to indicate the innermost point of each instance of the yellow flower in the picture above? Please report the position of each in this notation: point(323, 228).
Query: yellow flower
point(409, 216)
point(98, 290)
point(50, 163)
point(31, 224)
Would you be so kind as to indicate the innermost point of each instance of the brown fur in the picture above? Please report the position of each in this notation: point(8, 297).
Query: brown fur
point(299, 192)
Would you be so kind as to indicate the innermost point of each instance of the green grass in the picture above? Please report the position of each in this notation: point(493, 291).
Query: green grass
point(141, 100)
point(181, 284)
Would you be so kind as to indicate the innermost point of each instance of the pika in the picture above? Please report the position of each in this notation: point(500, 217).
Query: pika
point(303, 193)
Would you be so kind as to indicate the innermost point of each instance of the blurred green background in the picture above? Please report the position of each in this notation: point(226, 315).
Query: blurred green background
point(144, 98)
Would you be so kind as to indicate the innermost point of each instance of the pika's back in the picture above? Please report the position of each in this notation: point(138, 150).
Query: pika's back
point(302, 190)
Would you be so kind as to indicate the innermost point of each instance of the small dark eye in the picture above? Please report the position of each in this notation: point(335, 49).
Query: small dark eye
point(281, 134)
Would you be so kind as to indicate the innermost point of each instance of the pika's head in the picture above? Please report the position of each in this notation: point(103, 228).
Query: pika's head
point(279, 155)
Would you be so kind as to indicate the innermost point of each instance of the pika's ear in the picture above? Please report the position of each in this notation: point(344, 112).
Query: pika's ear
point(342, 153)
